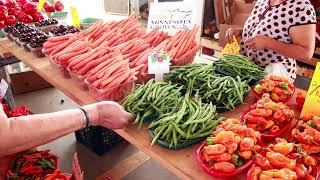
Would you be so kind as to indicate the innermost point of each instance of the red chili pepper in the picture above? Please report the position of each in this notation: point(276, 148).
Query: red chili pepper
point(274, 129)
point(277, 114)
point(256, 127)
point(257, 120)
point(261, 112)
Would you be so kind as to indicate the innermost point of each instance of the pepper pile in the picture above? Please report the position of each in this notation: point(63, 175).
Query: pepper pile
point(307, 133)
point(267, 116)
point(230, 146)
point(32, 165)
point(283, 160)
point(279, 88)
point(17, 111)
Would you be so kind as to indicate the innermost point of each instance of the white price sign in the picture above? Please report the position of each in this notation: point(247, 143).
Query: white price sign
point(158, 64)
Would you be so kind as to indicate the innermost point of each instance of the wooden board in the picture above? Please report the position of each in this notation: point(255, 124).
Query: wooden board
point(183, 163)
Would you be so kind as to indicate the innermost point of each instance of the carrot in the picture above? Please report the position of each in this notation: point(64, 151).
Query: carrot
point(50, 44)
point(114, 77)
point(95, 55)
point(77, 59)
point(116, 81)
point(94, 71)
point(134, 62)
point(75, 46)
point(100, 40)
point(144, 59)
point(64, 58)
point(97, 28)
point(102, 31)
point(182, 45)
point(86, 69)
point(112, 67)
point(189, 53)
point(60, 38)
point(63, 45)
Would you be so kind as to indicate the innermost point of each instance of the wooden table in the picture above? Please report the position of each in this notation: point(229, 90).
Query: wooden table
point(183, 163)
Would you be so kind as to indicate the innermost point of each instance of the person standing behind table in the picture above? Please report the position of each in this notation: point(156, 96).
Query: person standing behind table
point(278, 31)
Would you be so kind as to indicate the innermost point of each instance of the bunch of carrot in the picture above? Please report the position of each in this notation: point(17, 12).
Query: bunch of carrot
point(109, 54)
point(181, 48)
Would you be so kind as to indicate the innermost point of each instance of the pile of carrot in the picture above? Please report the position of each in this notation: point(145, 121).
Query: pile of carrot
point(181, 48)
point(110, 54)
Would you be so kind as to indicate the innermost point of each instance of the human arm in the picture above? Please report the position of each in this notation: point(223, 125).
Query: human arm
point(301, 48)
point(26, 132)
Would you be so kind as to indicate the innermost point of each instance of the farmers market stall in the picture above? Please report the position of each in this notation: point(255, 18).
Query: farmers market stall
point(172, 160)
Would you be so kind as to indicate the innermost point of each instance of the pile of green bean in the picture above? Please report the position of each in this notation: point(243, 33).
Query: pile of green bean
point(149, 101)
point(191, 120)
point(223, 91)
point(238, 65)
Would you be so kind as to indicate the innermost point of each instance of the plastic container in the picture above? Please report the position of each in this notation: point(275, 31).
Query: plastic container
point(98, 139)
point(258, 96)
point(79, 80)
point(315, 172)
point(36, 51)
point(46, 29)
point(268, 137)
point(116, 93)
point(62, 70)
point(143, 78)
point(185, 144)
point(206, 167)
point(87, 22)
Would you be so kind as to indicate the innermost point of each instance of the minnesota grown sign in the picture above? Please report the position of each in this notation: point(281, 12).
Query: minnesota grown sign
point(171, 16)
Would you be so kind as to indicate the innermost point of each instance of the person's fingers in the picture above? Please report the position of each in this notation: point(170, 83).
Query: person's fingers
point(227, 36)
point(249, 40)
point(128, 116)
point(249, 43)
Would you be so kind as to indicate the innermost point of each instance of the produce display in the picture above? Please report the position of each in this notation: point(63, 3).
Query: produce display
point(186, 124)
point(109, 55)
point(33, 164)
point(268, 117)
point(307, 134)
point(61, 30)
point(223, 91)
point(300, 99)
point(230, 149)
point(283, 160)
point(279, 88)
point(24, 11)
point(238, 65)
point(27, 36)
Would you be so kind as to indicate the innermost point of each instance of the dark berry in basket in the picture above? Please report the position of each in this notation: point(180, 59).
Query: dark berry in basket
point(46, 22)
point(63, 30)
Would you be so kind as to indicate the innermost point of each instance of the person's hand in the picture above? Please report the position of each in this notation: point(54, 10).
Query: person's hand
point(109, 114)
point(233, 32)
point(258, 42)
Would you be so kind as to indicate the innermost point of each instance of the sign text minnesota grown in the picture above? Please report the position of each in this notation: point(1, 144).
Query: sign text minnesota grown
point(171, 16)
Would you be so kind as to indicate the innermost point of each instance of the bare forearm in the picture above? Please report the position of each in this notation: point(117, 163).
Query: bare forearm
point(291, 50)
point(22, 133)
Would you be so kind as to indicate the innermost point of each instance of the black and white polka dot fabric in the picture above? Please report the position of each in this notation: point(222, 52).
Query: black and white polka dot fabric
point(275, 21)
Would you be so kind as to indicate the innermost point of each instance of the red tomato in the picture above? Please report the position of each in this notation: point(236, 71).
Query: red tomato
point(38, 16)
point(2, 24)
point(58, 6)
point(30, 7)
point(11, 20)
point(2, 2)
point(49, 8)
point(3, 8)
point(27, 19)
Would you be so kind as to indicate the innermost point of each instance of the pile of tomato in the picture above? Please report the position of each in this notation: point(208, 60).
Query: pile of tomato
point(307, 134)
point(279, 88)
point(283, 160)
point(267, 116)
point(230, 147)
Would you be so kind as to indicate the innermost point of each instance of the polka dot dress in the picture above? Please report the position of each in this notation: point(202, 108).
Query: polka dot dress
point(276, 21)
